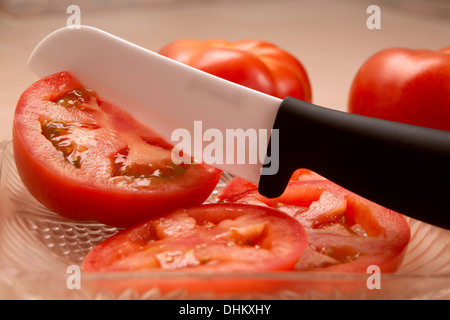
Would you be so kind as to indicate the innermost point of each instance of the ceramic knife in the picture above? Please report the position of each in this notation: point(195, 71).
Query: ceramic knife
point(403, 167)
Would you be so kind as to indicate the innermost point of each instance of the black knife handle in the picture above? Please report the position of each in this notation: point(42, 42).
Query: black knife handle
point(403, 167)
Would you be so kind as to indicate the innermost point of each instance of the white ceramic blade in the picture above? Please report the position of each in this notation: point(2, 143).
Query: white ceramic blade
point(161, 93)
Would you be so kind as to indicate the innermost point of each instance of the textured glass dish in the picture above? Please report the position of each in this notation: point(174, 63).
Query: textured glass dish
point(40, 254)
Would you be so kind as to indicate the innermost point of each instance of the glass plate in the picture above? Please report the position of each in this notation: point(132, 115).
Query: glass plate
point(41, 254)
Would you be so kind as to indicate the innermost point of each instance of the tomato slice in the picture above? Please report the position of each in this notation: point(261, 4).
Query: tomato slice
point(211, 237)
point(87, 159)
point(346, 232)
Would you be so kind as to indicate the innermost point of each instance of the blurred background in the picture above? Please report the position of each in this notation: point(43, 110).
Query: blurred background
point(330, 38)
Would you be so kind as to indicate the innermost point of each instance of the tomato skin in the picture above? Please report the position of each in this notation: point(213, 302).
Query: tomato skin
point(89, 193)
point(259, 65)
point(206, 238)
point(404, 85)
point(329, 212)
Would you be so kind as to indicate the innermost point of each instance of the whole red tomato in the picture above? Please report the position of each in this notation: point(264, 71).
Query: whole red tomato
point(403, 85)
point(255, 64)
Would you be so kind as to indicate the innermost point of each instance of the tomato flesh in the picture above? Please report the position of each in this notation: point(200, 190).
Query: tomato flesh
point(346, 233)
point(86, 159)
point(213, 237)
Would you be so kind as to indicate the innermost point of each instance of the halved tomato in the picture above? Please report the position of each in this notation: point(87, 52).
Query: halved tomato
point(87, 159)
point(211, 237)
point(346, 232)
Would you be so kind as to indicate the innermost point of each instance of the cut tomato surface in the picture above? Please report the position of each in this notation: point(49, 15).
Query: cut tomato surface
point(346, 233)
point(87, 159)
point(211, 237)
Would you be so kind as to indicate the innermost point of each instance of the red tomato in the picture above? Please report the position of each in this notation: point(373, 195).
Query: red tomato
point(410, 86)
point(212, 237)
point(255, 64)
point(346, 232)
point(86, 159)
